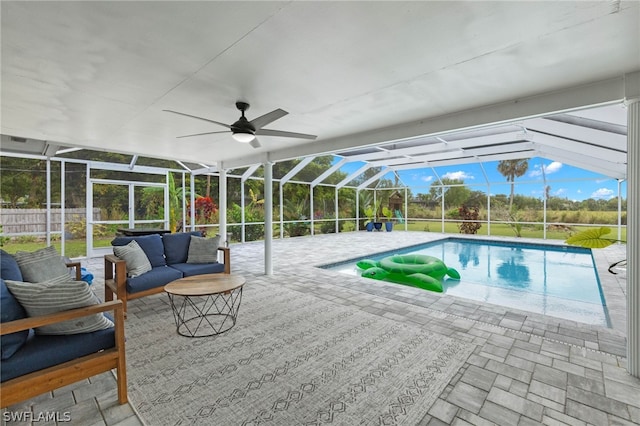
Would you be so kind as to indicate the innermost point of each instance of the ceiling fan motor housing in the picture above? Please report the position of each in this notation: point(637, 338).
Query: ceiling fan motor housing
point(242, 125)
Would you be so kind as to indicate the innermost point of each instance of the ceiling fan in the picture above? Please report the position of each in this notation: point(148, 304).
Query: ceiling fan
point(245, 131)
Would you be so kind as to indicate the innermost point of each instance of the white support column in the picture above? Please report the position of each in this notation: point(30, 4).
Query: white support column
point(357, 209)
point(268, 218)
point(192, 200)
point(337, 212)
point(406, 208)
point(633, 237)
point(311, 210)
point(281, 204)
point(222, 205)
point(242, 230)
point(63, 202)
point(619, 209)
point(48, 214)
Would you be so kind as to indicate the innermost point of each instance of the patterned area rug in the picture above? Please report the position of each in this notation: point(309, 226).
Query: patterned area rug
point(291, 359)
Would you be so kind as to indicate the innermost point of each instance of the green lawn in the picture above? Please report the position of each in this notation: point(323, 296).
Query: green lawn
point(77, 248)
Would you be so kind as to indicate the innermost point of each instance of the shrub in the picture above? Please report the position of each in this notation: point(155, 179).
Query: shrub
point(471, 215)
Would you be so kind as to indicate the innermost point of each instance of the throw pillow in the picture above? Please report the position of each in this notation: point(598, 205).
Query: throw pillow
point(137, 261)
point(176, 246)
point(203, 250)
point(49, 297)
point(150, 244)
point(9, 269)
point(11, 310)
point(42, 265)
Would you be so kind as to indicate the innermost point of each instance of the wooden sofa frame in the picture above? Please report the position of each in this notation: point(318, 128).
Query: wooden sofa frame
point(32, 384)
point(115, 279)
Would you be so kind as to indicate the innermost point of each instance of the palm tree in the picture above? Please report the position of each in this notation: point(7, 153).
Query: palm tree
point(511, 169)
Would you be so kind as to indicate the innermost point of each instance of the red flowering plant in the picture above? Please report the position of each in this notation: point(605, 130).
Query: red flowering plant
point(205, 210)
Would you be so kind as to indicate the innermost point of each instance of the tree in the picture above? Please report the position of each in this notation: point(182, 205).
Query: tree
point(456, 193)
point(511, 169)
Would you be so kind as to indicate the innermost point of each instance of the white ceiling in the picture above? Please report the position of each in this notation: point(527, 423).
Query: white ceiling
point(98, 74)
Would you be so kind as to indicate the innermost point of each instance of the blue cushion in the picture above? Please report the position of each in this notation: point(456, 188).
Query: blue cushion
point(150, 244)
point(176, 246)
point(11, 310)
point(189, 269)
point(156, 277)
point(9, 269)
point(42, 351)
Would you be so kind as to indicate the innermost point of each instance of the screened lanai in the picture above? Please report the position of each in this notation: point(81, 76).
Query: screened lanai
point(502, 80)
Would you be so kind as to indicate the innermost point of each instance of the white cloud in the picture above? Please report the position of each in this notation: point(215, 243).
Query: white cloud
point(603, 193)
point(426, 178)
point(560, 191)
point(460, 175)
point(549, 169)
point(579, 191)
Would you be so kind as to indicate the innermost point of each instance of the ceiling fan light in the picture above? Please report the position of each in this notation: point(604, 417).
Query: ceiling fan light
point(243, 137)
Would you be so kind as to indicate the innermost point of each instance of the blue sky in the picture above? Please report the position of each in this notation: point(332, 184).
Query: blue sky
point(565, 181)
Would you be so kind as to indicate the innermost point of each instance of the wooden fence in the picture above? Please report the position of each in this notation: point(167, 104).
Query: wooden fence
point(17, 221)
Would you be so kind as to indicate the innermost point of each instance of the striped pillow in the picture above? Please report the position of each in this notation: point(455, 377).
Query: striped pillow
point(49, 297)
point(42, 265)
point(203, 250)
point(137, 261)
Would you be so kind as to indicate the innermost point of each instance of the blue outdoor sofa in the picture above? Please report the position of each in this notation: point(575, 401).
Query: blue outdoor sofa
point(168, 255)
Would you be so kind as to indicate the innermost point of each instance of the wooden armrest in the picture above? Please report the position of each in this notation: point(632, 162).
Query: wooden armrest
point(226, 255)
point(33, 322)
point(78, 267)
point(112, 258)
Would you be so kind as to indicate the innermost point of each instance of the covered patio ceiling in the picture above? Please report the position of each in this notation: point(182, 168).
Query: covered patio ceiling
point(394, 84)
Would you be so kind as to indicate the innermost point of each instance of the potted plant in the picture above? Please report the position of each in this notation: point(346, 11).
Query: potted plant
point(370, 213)
point(388, 213)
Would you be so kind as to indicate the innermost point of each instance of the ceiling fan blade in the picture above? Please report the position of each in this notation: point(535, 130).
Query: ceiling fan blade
point(201, 134)
point(199, 118)
point(254, 143)
point(267, 132)
point(269, 117)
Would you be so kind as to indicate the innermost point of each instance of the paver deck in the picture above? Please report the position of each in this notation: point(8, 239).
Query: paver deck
point(527, 368)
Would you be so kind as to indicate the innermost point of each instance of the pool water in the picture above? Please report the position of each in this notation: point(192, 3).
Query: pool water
point(551, 280)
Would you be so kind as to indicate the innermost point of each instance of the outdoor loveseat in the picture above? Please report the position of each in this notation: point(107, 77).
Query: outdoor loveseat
point(54, 330)
point(130, 275)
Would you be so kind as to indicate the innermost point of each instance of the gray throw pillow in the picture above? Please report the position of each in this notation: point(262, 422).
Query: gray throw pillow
point(49, 297)
point(203, 250)
point(137, 261)
point(42, 265)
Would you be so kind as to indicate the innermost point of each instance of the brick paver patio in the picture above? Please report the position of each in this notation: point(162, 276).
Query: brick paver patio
point(527, 369)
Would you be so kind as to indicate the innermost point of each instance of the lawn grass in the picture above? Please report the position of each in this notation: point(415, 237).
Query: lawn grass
point(77, 248)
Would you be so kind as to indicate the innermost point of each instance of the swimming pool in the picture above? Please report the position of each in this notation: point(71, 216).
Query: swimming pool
point(558, 281)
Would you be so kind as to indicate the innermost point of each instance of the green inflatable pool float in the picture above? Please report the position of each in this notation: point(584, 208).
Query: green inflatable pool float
point(416, 270)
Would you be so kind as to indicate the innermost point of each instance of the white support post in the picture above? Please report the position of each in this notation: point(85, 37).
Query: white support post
point(184, 202)
point(281, 204)
point(357, 209)
point(406, 208)
point(544, 202)
point(633, 237)
point(222, 205)
point(88, 214)
point(442, 194)
point(48, 214)
point(242, 225)
point(167, 211)
point(619, 209)
point(62, 206)
point(192, 200)
point(268, 217)
point(337, 213)
point(311, 218)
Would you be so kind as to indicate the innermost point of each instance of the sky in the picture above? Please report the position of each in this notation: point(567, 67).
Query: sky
point(565, 181)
